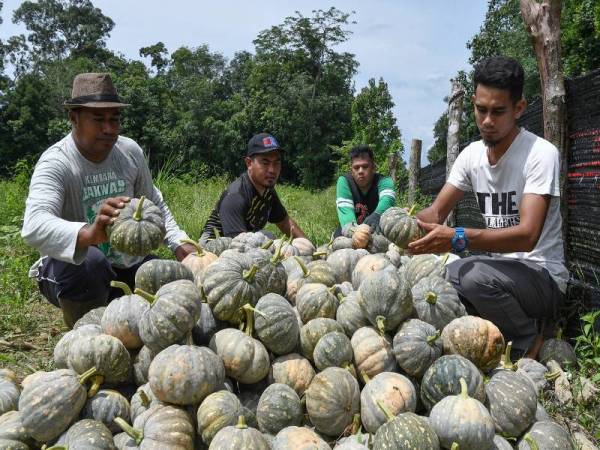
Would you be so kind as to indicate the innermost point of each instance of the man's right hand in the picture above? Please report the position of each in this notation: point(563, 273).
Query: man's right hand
point(95, 233)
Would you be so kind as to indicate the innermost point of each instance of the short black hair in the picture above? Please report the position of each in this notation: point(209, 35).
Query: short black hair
point(361, 149)
point(501, 72)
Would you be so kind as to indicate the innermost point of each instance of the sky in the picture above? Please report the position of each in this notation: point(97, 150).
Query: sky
point(415, 46)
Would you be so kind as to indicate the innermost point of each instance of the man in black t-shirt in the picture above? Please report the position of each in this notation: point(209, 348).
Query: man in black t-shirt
point(251, 201)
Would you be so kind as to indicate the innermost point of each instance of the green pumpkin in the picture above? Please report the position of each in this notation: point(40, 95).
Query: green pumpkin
point(349, 313)
point(51, 401)
point(13, 434)
point(314, 330)
point(138, 229)
point(106, 353)
point(247, 240)
point(185, 374)
point(399, 225)
point(154, 274)
point(443, 379)
point(239, 437)
point(416, 346)
point(501, 444)
point(476, 339)
point(367, 266)
point(332, 399)
point(142, 400)
point(436, 301)
point(462, 420)
point(276, 324)
point(88, 433)
point(218, 245)
point(9, 391)
point(63, 346)
point(314, 272)
point(394, 254)
point(298, 438)
point(546, 435)
point(512, 401)
point(534, 371)
point(105, 407)
point(206, 326)
point(279, 407)
point(559, 350)
point(406, 431)
point(230, 282)
point(122, 315)
point(316, 300)
point(342, 262)
point(141, 365)
point(372, 353)
point(394, 391)
point(174, 311)
point(217, 411)
point(92, 317)
point(422, 266)
point(245, 358)
point(341, 242)
point(333, 350)
point(161, 426)
point(385, 300)
point(293, 370)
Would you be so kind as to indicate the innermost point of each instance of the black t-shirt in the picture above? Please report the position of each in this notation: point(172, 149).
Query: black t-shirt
point(241, 208)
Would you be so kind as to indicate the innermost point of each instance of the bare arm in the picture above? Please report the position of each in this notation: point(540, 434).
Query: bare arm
point(290, 228)
point(519, 238)
point(446, 200)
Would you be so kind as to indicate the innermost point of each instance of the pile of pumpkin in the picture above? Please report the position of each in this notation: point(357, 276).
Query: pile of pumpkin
point(258, 344)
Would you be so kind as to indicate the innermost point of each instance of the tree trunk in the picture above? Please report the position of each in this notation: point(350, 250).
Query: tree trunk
point(542, 20)
point(455, 110)
point(413, 170)
point(393, 159)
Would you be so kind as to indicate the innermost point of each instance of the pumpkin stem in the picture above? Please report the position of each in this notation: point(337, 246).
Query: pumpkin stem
point(559, 334)
point(434, 337)
point(552, 376)
point(137, 435)
point(455, 446)
point(411, 211)
point(241, 425)
point(145, 295)
point(445, 258)
point(144, 398)
point(317, 255)
point(97, 381)
point(87, 375)
point(507, 363)
point(199, 249)
point(137, 215)
point(267, 245)
point(364, 376)
point(340, 297)
point(248, 275)
point(330, 243)
point(355, 424)
point(249, 312)
point(216, 231)
point(464, 390)
point(431, 298)
point(388, 414)
point(55, 447)
point(380, 320)
point(120, 285)
point(305, 270)
point(277, 256)
point(531, 442)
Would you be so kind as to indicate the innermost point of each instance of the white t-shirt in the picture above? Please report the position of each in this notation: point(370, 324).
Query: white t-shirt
point(529, 166)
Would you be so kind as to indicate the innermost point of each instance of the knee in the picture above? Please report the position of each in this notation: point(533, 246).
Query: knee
point(468, 278)
point(96, 262)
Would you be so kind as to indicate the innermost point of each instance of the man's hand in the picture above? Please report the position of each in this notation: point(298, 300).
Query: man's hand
point(183, 250)
point(437, 240)
point(95, 233)
point(373, 221)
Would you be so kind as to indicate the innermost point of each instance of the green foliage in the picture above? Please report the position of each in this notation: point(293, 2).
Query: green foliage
point(587, 345)
point(438, 150)
point(580, 36)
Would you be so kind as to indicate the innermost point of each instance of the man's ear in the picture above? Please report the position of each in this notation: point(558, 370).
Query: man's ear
point(520, 107)
point(248, 162)
point(73, 117)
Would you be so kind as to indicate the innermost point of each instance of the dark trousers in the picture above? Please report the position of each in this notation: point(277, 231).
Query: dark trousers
point(514, 295)
point(89, 280)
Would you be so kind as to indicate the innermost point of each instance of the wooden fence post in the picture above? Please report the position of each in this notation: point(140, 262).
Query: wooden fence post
point(455, 110)
point(413, 170)
point(542, 20)
point(393, 159)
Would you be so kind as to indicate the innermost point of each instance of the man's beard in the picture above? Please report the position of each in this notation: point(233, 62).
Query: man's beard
point(491, 143)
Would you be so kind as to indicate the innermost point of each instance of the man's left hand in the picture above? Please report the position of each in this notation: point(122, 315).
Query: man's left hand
point(438, 239)
point(183, 250)
point(373, 221)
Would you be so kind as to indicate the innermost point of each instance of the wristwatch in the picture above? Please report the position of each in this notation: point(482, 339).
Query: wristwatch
point(460, 240)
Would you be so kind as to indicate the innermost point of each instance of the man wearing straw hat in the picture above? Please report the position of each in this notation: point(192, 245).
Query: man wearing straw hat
point(78, 187)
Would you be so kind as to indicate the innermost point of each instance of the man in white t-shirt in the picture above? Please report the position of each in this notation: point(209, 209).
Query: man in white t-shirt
point(515, 177)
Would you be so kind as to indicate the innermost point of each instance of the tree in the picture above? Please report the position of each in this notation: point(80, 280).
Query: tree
point(157, 54)
point(437, 151)
point(580, 36)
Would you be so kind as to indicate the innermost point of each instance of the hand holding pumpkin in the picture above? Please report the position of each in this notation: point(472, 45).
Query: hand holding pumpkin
point(437, 240)
point(95, 233)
